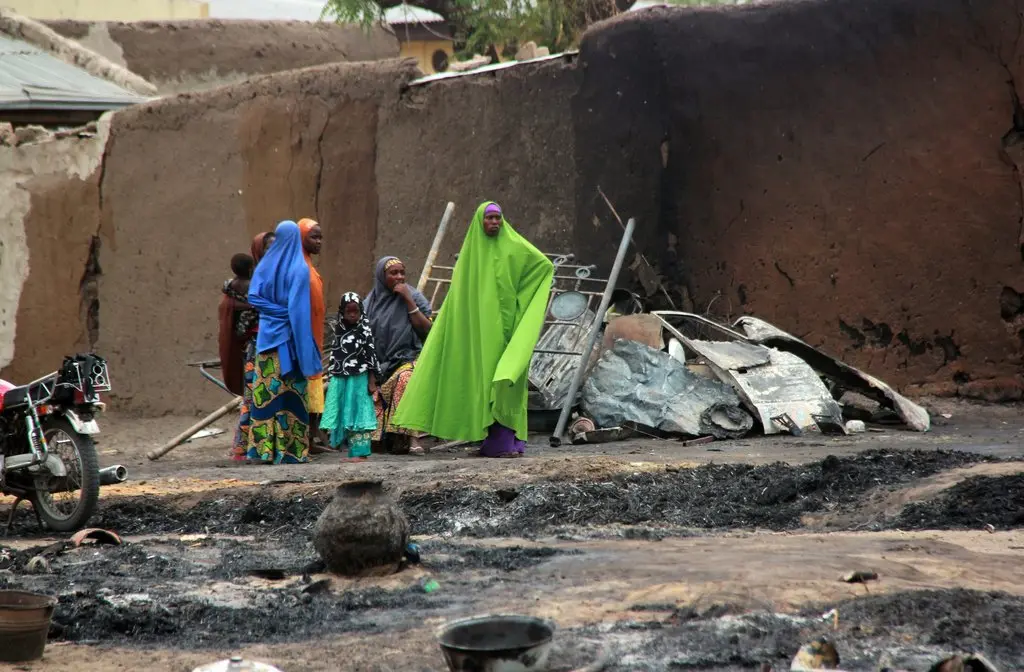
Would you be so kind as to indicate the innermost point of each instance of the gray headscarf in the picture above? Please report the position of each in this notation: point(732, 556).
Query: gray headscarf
point(395, 340)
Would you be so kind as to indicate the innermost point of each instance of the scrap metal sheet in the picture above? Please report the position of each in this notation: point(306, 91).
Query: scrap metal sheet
point(786, 385)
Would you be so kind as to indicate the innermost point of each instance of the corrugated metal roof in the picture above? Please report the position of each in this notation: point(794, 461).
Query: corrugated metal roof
point(404, 13)
point(30, 79)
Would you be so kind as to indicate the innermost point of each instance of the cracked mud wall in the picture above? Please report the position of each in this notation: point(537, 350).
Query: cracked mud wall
point(833, 167)
point(505, 136)
point(843, 169)
point(189, 180)
point(193, 55)
point(49, 215)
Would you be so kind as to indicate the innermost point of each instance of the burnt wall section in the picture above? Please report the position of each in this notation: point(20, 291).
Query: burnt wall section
point(189, 180)
point(832, 167)
point(189, 55)
point(505, 136)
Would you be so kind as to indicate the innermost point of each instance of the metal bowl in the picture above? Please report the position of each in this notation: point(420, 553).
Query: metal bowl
point(499, 643)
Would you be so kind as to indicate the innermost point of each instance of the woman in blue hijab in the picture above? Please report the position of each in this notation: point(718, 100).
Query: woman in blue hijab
point(287, 354)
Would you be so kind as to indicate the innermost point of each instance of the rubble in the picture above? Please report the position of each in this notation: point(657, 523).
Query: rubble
point(635, 383)
point(842, 374)
point(25, 135)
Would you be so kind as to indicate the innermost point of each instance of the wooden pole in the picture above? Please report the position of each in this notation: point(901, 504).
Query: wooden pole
point(232, 405)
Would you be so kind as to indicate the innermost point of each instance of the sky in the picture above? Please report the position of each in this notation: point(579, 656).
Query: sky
point(303, 10)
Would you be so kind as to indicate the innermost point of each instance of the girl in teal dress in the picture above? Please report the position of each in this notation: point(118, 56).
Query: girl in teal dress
point(349, 415)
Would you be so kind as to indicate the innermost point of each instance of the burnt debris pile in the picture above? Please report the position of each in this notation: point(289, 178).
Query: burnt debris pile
point(972, 503)
point(773, 496)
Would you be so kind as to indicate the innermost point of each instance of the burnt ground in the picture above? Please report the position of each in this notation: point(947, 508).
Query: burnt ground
point(705, 563)
point(674, 500)
point(973, 503)
point(923, 621)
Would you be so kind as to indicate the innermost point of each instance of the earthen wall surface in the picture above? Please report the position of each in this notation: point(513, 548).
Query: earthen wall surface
point(846, 170)
point(191, 55)
point(833, 167)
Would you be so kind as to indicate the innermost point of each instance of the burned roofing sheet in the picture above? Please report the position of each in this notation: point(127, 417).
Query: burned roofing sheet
point(31, 79)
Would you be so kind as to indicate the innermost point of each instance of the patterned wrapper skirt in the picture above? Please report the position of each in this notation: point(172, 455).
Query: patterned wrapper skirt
point(315, 395)
point(241, 443)
point(279, 430)
point(390, 394)
point(349, 414)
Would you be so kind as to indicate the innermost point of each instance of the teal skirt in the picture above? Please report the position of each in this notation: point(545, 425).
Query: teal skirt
point(349, 415)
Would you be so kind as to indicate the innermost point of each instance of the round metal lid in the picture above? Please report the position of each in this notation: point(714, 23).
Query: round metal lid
point(237, 664)
point(568, 306)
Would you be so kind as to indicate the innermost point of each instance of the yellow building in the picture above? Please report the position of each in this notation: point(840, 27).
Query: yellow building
point(109, 10)
point(423, 35)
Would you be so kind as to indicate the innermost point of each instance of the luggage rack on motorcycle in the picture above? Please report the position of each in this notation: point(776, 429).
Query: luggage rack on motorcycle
point(69, 377)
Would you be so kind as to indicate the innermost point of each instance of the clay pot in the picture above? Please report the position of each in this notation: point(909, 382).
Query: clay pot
point(362, 531)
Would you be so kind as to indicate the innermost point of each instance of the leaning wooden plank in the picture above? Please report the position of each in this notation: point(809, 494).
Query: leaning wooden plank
point(187, 434)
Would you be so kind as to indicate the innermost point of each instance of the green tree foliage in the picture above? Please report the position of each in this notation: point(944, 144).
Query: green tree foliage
point(481, 25)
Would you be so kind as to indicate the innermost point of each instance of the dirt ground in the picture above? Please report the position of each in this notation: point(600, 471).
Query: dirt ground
point(720, 556)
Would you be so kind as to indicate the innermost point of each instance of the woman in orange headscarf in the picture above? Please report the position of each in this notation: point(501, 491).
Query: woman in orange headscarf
point(312, 242)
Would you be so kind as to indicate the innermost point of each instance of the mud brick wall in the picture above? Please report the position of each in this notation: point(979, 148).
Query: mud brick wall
point(49, 225)
point(191, 55)
point(833, 167)
point(505, 137)
point(189, 180)
point(846, 169)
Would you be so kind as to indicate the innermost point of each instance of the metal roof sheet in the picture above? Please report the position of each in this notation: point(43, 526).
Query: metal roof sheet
point(30, 78)
point(404, 13)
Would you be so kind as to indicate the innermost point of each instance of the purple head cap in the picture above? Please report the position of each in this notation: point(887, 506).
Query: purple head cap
point(493, 208)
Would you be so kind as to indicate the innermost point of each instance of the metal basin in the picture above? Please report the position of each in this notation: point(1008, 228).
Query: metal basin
point(501, 643)
point(24, 625)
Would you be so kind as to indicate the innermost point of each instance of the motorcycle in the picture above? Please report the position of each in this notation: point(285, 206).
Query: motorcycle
point(47, 453)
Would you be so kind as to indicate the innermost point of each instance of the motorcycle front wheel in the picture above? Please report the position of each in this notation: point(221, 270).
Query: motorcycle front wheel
point(71, 501)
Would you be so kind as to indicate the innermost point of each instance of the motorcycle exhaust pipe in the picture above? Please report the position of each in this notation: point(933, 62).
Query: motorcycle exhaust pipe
point(113, 475)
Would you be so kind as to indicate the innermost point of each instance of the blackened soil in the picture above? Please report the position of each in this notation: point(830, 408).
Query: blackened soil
point(223, 513)
point(772, 496)
point(200, 592)
point(972, 504)
point(957, 619)
point(913, 629)
point(285, 615)
point(442, 556)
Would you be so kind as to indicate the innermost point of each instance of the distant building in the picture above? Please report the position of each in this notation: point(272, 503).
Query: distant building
point(423, 35)
point(109, 10)
point(291, 10)
point(37, 88)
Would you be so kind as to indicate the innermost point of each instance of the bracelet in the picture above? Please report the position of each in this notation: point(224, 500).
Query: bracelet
point(413, 312)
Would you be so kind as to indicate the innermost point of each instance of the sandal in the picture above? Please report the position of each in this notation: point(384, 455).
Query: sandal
point(417, 450)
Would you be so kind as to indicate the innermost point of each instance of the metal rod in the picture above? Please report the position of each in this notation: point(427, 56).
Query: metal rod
point(214, 379)
point(577, 379)
point(442, 228)
point(558, 352)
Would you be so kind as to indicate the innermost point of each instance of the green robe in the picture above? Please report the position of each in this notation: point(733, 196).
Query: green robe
point(474, 365)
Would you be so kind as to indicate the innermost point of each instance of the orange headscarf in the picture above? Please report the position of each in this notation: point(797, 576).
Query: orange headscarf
point(318, 309)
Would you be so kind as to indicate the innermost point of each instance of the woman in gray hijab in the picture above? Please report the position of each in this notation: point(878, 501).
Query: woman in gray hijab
point(399, 316)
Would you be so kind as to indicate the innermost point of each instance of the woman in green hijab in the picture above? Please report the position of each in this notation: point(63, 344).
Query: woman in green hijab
point(470, 381)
